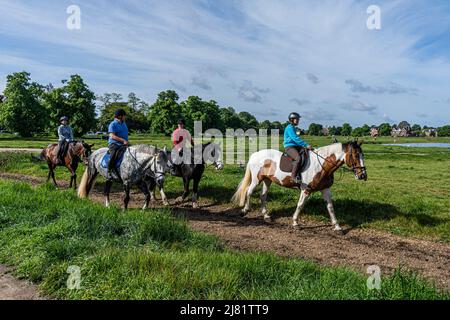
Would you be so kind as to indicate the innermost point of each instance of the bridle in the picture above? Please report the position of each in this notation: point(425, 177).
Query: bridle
point(153, 164)
point(354, 166)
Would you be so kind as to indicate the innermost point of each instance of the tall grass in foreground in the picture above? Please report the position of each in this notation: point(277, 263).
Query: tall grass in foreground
point(151, 255)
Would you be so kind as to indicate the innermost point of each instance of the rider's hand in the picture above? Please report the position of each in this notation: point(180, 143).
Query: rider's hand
point(310, 148)
point(126, 143)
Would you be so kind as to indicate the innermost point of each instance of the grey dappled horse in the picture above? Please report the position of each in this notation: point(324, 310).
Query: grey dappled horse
point(141, 165)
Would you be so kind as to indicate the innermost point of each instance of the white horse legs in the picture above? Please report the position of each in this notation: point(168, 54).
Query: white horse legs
point(264, 193)
point(163, 196)
point(301, 203)
point(327, 197)
point(250, 190)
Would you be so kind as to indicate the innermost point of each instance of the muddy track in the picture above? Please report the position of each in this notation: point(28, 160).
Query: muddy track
point(358, 248)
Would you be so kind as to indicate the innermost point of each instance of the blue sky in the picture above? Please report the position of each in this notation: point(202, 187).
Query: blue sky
point(265, 57)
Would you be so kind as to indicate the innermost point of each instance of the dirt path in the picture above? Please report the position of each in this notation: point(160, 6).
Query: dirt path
point(13, 289)
point(33, 150)
point(358, 248)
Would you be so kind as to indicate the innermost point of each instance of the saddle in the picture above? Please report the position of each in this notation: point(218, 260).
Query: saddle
point(107, 157)
point(286, 162)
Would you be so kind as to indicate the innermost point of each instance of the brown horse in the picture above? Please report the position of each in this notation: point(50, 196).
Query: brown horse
point(76, 151)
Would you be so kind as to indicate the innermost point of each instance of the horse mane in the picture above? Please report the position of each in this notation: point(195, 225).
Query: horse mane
point(144, 148)
point(327, 151)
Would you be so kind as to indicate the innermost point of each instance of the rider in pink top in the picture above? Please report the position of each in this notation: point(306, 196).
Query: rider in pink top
point(180, 136)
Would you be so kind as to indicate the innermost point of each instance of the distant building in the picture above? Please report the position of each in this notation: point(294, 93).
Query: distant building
point(374, 132)
point(325, 131)
point(430, 132)
point(402, 130)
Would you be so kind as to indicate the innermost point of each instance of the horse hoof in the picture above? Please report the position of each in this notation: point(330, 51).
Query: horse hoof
point(267, 218)
point(166, 203)
point(179, 200)
point(295, 225)
point(195, 205)
point(243, 213)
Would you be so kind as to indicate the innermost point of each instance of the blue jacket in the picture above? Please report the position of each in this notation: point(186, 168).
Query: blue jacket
point(291, 139)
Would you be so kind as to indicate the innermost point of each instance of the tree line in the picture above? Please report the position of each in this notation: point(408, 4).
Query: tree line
point(29, 108)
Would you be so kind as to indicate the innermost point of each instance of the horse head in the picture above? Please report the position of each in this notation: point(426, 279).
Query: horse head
point(85, 151)
point(354, 159)
point(212, 153)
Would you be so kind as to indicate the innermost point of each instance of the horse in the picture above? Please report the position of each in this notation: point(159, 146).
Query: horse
point(317, 175)
point(193, 170)
point(140, 165)
point(76, 151)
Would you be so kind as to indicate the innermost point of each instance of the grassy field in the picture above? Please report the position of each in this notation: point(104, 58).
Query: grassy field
point(155, 256)
point(408, 191)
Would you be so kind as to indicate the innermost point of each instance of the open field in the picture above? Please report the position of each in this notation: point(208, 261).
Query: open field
point(407, 195)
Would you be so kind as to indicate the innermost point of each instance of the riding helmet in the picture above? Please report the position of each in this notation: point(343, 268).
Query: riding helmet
point(120, 113)
point(294, 115)
point(64, 118)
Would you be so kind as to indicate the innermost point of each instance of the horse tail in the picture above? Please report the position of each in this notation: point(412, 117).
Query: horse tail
point(41, 157)
point(240, 194)
point(87, 181)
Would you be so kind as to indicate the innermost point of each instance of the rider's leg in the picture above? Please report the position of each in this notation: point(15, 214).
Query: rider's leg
point(59, 154)
point(295, 155)
point(113, 148)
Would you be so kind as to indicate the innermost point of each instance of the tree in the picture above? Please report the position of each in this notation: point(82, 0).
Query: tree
point(346, 129)
point(278, 125)
point(136, 120)
point(248, 121)
point(444, 131)
point(164, 113)
point(22, 110)
point(208, 112)
point(266, 124)
point(416, 128)
point(74, 100)
point(384, 129)
point(404, 125)
point(229, 118)
point(315, 129)
point(358, 132)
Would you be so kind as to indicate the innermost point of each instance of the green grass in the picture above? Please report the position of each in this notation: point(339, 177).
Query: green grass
point(151, 255)
point(407, 193)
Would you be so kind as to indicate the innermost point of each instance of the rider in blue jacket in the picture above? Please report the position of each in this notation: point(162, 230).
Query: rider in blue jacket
point(293, 145)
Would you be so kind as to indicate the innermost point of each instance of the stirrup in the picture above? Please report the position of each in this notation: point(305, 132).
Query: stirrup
point(297, 180)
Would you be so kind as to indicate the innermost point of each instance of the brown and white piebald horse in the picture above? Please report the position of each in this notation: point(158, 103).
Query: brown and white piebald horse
point(76, 151)
point(317, 175)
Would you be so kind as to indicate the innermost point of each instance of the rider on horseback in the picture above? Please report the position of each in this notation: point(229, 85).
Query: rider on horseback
point(118, 139)
point(180, 137)
point(294, 145)
point(65, 136)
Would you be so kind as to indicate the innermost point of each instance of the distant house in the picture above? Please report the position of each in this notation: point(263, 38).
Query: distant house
point(374, 132)
point(402, 130)
point(430, 132)
point(325, 131)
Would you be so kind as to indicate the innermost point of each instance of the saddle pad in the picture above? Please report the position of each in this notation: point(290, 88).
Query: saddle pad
point(107, 156)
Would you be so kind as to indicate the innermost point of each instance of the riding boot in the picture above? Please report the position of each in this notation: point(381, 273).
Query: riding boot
point(296, 174)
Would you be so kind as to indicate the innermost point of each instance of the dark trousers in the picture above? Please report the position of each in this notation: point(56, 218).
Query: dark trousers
point(296, 154)
point(62, 149)
point(115, 151)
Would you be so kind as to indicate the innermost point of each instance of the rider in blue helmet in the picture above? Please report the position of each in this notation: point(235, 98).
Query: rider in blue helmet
point(294, 145)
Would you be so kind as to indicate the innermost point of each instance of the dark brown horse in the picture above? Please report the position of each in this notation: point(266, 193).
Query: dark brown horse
point(76, 151)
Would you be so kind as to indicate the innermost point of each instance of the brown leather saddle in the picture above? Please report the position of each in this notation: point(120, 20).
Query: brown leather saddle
point(286, 162)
